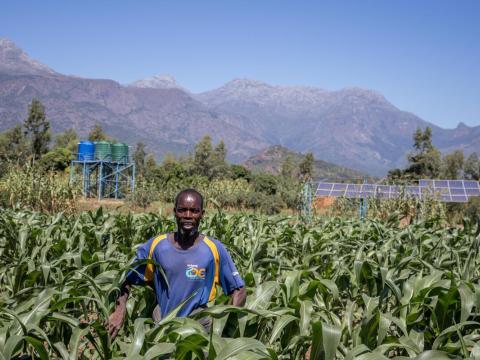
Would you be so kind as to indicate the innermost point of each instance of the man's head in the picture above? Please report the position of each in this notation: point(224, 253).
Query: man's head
point(188, 210)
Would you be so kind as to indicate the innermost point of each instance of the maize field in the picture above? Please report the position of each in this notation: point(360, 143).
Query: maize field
point(333, 289)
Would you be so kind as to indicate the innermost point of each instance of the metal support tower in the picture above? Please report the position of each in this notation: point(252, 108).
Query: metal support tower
point(307, 201)
point(103, 179)
point(363, 208)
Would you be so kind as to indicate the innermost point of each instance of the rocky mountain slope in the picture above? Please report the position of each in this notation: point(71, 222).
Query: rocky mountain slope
point(166, 119)
point(352, 127)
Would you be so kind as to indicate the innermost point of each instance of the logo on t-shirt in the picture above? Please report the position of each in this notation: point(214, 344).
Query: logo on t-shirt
point(193, 272)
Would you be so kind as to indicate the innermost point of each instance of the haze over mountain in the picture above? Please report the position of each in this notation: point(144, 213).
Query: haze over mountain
point(351, 127)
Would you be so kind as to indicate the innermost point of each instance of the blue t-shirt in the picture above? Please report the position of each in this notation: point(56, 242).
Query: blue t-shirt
point(192, 271)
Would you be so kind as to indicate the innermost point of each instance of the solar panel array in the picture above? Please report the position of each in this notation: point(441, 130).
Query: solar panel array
point(443, 190)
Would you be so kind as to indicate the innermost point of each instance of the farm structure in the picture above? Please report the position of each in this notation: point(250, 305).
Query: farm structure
point(103, 170)
point(449, 191)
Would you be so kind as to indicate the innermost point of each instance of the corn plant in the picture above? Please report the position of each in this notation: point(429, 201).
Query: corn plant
point(333, 289)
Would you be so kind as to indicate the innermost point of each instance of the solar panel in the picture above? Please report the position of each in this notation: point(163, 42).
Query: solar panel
point(321, 192)
point(337, 193)
point(324, 186)
point(472, 187)
point(340, 187)
point(443, 190)
point(425, 183)
point(459, 198)
point(450, 190)
point(472, 192)
point(457, 191)
point(440, 183)
point(456, 183)
point(471, 184)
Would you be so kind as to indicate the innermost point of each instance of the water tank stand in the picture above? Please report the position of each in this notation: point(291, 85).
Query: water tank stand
point(103, 179)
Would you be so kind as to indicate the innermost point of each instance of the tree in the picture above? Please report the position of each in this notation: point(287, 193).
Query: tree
point(139, 158)
point(67, 140)
point(265, 183)
point(171, 170)
point(472, 167)
point(37, 129)
point(58, 159)
point(422, 141)
point(97, 134)
point(203, 156)
point(425, 160)
point(395, 175)
point(288, 167)
point(13, 147)
point(240, 172)
point(306, 167)
point(453, 165)
point(150, 166)
point(219, 166)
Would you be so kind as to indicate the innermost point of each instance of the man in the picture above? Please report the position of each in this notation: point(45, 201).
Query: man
point(192, 262)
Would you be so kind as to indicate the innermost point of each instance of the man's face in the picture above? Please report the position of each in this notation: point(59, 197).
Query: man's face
point(188, 213)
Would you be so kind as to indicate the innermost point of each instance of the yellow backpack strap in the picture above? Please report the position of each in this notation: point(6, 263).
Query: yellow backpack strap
point(148, 277)
point(216, 256)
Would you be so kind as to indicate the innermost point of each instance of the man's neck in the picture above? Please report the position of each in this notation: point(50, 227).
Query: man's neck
point(185, 240)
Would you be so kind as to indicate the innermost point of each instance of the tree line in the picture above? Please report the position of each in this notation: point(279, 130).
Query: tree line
point(207, 168)
point(231, 185)
point(426, 162)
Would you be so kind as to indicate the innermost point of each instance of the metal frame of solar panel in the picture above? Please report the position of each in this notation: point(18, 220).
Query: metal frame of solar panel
point(443, 190)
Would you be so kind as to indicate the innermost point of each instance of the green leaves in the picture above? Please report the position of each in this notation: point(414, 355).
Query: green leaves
point(325, 340)
point(345, 289)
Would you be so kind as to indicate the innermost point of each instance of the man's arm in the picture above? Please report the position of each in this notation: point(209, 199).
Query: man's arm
point(116, 318)
point(239, 297)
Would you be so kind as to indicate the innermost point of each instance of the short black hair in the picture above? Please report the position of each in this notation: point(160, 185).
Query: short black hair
point(189, 191)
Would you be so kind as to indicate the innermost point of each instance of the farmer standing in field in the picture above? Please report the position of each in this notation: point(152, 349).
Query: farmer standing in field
point(192, 262)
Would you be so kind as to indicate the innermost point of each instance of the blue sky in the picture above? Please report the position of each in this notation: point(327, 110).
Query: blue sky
point(424, 56)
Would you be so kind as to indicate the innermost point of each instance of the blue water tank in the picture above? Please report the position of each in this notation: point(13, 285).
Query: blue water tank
point(86, 150)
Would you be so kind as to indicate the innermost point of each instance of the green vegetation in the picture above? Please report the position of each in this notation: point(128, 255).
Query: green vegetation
point(338, 289)
point(334, 289)
point(278, 160)
point(207, 170)
point(426, 162)
point(274, 185)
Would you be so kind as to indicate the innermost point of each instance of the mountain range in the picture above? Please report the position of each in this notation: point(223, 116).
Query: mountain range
point(352, 127)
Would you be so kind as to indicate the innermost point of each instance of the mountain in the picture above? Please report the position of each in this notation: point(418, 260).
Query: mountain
point(352, 127)
point(158, 82)
point(165, 119)
point(270, 160)
point(14, 60)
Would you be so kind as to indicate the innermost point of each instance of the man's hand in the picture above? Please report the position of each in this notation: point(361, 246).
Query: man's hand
point(115, 320)
point(239, 297)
